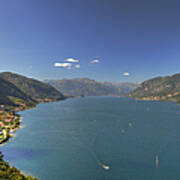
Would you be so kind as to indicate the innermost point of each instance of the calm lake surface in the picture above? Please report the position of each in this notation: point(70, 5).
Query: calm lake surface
point(77, 138)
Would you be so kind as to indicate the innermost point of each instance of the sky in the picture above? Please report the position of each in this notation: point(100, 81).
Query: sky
point(105, 40)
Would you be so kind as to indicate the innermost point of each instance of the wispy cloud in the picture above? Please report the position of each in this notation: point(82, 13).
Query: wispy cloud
point(77, 66)
point(95, 61)
point(64, 65)
point(126, 74)
point(72, 60)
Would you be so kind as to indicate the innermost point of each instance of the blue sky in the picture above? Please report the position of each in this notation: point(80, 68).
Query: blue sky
point(141, 37)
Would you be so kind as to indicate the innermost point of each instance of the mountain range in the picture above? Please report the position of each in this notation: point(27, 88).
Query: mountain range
point(89, 87)
point(16, 89)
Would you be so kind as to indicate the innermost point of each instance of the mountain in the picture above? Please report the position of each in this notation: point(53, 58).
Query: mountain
point(122, 88)
point(89, 87)
point(159, 88)
point(18, 89)
point(8, 89)
point(33, 88)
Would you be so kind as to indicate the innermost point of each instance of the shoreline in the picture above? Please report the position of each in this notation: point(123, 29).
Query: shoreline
point(7, 133)
point(10, 122)
point(13, 125)
point(171, 97)
point(160, 100)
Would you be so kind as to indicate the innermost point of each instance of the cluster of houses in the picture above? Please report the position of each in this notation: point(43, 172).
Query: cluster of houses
point(7, 122)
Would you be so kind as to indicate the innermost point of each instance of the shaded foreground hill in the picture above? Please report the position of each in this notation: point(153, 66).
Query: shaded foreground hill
point(7, 90)
point(29, 90)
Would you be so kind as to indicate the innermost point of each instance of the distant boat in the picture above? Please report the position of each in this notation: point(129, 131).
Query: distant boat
point(106, 167)
point(157, 161)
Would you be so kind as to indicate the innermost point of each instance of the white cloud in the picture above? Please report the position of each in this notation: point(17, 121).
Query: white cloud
point(77, 66)
point(95, 61)
point(65, 65)
point(72, 60)
point(126, 74)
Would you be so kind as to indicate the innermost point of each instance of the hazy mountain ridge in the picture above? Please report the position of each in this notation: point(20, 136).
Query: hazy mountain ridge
point(89, 87)
point(122, 87)
point(159, 88)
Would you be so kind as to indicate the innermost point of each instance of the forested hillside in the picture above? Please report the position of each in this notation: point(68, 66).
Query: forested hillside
point(30, 90)
point(160, 88)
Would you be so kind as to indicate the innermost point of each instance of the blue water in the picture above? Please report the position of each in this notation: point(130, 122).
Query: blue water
point(73, 139)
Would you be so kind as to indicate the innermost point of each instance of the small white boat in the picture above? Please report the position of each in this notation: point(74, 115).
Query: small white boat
point(157, 161)
point(106, 167)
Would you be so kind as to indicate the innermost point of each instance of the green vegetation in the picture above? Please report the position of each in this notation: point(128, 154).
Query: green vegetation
point(11, 173)
point(88, 87)
point(160, 88)
point(16, 100)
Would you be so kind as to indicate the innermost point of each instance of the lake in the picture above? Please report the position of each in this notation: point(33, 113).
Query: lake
point(98, 138)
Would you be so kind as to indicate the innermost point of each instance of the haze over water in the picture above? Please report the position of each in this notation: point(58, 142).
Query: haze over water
point(75, 139)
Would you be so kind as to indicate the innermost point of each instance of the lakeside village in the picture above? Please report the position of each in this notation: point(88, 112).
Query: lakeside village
point(9, 122)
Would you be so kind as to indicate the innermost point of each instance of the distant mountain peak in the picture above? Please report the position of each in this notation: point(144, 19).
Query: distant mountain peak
point(90, 87)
